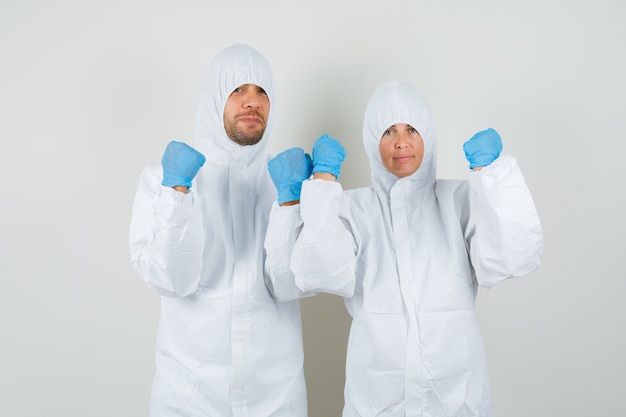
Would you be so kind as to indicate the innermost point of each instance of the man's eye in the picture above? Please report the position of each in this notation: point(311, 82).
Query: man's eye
point(262, 91)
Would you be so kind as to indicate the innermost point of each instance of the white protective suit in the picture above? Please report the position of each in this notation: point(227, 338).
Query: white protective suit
point(225, 347)
point(408, 255)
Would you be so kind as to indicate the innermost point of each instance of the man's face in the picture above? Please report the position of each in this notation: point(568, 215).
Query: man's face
point(245, 114)
point(401, 149)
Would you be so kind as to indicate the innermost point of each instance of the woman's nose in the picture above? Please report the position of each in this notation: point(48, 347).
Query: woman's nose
point(401, 143)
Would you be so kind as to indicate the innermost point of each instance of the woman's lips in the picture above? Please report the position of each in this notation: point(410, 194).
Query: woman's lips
point(402, 158)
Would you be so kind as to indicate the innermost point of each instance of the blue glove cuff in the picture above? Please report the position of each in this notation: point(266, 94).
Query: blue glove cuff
point(482, 161)
point(331, 169)
point(171, 179)
point(289, 192)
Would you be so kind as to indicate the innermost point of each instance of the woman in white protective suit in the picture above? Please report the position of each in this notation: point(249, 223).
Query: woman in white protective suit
point(408, 254)
point(225, 347)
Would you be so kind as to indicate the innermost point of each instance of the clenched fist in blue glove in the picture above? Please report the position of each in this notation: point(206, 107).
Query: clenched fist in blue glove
point(180, 164)
point(328, 154)
point(483, 148)
point(288, 169)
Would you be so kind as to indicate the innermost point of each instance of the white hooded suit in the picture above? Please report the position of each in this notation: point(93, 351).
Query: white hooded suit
point(225, 347)
point(408, 254)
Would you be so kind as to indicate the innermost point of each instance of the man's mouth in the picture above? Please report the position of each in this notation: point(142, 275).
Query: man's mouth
point(249, 118)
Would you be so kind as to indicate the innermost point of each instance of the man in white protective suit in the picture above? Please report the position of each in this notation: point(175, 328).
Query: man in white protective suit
point(225, 347)
point(408, 254)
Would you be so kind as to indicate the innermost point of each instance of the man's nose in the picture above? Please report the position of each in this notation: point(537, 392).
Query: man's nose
point(251, 100)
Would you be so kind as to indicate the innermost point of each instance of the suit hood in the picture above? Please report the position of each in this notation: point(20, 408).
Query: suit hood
point(230, 68)
point(394, 102)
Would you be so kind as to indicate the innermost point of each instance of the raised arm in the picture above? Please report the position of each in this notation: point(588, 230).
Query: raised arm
point(309, 249)
point(288, 170)
point(325, 254)
point(165, 238)
point(504, 232)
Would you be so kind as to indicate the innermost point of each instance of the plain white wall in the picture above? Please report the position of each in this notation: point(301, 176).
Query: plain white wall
point(91, 92)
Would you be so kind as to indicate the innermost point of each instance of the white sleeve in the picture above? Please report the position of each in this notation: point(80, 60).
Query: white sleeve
point(285, 225)
point(504, 232)
point(165, 238)
point(324, 254)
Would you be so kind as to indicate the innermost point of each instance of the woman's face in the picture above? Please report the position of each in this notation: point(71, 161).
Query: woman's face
point(401, 149)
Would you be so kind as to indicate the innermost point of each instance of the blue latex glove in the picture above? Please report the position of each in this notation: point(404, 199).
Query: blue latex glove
point(328, 154)
point(483, 148)
point(288, 169)
point(180, 164)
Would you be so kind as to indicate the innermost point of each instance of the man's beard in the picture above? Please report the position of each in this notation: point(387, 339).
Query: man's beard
point(241, 137)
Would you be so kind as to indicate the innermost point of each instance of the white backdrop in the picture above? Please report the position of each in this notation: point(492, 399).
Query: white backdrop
point(92, 91)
